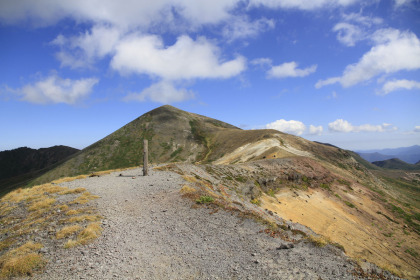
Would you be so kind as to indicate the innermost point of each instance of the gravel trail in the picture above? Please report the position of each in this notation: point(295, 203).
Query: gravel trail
point(151, 232)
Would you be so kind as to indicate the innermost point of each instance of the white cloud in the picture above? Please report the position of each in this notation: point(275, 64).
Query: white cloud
point(399, 3)
point(144, 14)
point(83, 50)
point(348, 34)
point(399, 84)
point(241, 27)
point(124, 13)
point(261, 61)
point(289, 69)
point(186, 59)
point(355, 27)
point(301, 4)
point(163, 92)
point(315, 130)
point(292, 126)
point(341, 125)
point(417, 128)
point(393, 51)
point(54, 89)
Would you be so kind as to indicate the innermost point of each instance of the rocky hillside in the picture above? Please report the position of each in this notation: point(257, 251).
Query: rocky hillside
point(20, 165)
point(178, 136)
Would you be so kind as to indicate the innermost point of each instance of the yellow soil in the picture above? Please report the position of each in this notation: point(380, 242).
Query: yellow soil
point(359, 230)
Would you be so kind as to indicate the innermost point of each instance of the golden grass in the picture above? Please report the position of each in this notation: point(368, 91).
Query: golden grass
point(187, 190)
point(63, 207)
point(7, 243)
point(43, 203)
point(67, 231)
point(21, 261)
point(25, 213)
point(319, 241)
point(84, 198)
point(83, 218)
point(48, 188)
point(72, 191)
point(72, 212)
point(69, 179)
point(92, 231)
point(70, 244)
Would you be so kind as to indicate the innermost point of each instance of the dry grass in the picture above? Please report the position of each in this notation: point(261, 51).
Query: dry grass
point(72, 191)
point(7, 243)
point(70, 244)
point(21, 261)
point(48, 188)
point(63, 207)
point(69, 179)
point(187, 190)
point(72, 212)
point(27, 213)
point(318, 241)
point(84, 218)
point(84, 198)
point(92, 231)
point(42, 203)
point(67, 231)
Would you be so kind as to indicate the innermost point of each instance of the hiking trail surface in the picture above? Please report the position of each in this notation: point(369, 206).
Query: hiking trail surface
point(151, 232)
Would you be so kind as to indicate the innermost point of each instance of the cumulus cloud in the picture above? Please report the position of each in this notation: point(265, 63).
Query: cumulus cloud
point(315, 130)
point(341, 125)
point(54, 89)
point(289, 69)
point(394, 85)
point(162, 92)
point(144, 14)
point(393, 51)
point(301, 4)
point(292, 126)
point(124, 13)
point(84, 49)
point(186, 59)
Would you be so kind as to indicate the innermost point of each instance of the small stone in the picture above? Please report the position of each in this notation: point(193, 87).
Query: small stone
point(285, 246)
point(253, 254)
point(256, 261)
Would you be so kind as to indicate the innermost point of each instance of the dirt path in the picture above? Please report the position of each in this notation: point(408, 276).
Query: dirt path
point(151, 232)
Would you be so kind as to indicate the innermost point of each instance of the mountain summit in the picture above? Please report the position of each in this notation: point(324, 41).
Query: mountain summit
point(179, 136)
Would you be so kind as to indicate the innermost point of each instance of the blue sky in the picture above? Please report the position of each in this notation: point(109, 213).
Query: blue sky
point(346, 72)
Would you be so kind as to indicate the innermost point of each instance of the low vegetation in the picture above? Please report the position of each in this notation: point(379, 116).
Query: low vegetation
point(44, 208)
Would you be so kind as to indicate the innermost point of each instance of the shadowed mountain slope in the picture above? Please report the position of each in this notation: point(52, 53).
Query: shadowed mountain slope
point(20, 165)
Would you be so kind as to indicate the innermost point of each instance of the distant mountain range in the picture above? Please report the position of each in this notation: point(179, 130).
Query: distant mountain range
point(407, 154)
point(21, 165)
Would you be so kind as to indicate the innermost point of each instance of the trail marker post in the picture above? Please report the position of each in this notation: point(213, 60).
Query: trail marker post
point(145, 157)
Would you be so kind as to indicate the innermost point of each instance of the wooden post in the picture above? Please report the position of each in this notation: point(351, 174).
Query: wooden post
point(145, 157)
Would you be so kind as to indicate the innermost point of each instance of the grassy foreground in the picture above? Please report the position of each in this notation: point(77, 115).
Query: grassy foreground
point(48, 214)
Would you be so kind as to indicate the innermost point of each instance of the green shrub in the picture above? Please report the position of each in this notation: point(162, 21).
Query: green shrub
point(349, 204)
point(205, 199)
